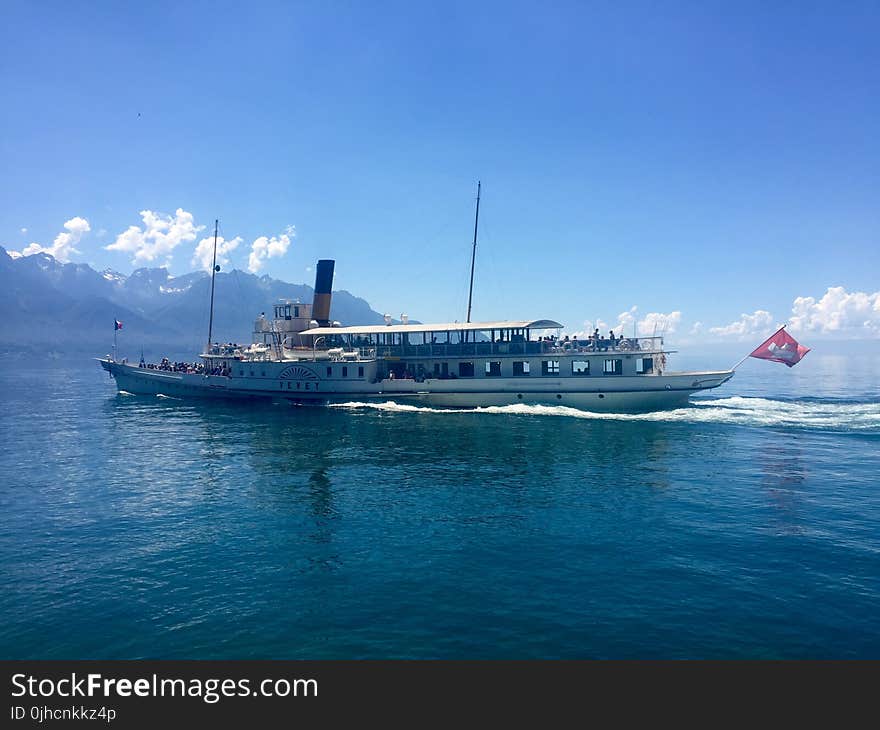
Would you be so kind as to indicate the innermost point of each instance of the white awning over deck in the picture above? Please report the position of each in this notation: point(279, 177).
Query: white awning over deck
point(378, 329)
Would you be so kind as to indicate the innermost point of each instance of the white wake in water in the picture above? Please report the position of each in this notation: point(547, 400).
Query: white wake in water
point(737, 410)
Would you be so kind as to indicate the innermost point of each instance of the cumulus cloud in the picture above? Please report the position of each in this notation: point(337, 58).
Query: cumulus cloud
point(652, 323)
point(23, 231)
point(624, 324)
point(625, 320)
point(158, 238)
point(748, 325)
point(659, 323)
point(587, 329)
point(64, 243)
point(269, 248)
point(204, 253)
point(838, 312)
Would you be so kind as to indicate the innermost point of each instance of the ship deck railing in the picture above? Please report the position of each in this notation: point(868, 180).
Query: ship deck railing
point(630, 345)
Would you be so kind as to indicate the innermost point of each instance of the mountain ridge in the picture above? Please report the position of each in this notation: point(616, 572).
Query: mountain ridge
point(47, 305)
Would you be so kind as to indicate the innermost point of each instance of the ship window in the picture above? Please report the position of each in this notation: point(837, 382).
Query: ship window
point(550, 367)
point(241, 372)
point(263, 373)
point(465, 370)
point(329, 372)
point(613, 367)
point(252, 373)
point(296, 311)
point(644, 365)
point(493, 368)
point(580, 367)
point(344, 371)
point(289, 385)
point(360, 372)
point(520, 367)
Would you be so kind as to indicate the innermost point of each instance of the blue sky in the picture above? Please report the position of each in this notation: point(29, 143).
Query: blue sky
point(697, 161)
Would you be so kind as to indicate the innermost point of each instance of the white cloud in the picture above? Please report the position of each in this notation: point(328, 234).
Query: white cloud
point(159, 237)
point(204, 253)
point(626, 319)
point(588, 326)
point(651, 324)
point(24, 230)
point(268, 248)
point(657, 323)
point(838, 312)
point(748, 325)
point(64, 243)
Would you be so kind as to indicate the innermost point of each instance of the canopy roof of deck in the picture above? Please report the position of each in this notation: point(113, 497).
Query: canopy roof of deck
point(378, 329)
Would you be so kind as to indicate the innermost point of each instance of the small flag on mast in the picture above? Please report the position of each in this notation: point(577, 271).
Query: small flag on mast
point(117, 325)
point(780, 347)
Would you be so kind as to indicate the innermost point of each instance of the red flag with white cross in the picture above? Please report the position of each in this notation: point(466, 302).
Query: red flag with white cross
point(780, 347)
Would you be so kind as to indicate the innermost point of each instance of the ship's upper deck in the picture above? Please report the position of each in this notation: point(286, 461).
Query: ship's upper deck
point(463, 339)
point(432, 341)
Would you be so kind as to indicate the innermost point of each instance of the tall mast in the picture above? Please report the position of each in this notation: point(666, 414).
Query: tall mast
point(474, 253)
point(213, 274)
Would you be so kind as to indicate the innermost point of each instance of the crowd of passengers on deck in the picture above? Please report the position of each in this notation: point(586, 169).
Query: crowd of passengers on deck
point(191, 368)
point(226, 348)
point(593, 343)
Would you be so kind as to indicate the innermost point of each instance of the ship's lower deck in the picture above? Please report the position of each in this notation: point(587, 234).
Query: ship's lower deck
point(304, 386)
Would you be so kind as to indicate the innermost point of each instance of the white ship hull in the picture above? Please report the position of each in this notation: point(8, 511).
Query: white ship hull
point(307, 384)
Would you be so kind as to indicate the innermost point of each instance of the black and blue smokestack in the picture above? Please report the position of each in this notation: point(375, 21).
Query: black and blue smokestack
point(323, 289)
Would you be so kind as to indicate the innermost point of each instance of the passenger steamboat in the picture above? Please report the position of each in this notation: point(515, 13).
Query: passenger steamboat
point(302, 357)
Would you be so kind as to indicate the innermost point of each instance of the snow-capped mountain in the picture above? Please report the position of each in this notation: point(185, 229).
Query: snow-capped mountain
point(45, 303)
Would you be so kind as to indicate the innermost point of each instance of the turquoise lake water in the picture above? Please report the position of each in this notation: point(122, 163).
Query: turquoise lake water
point(744, 526)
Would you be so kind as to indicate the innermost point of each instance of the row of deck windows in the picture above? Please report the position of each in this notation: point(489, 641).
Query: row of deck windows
point(522, 368)
point(345, 372)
